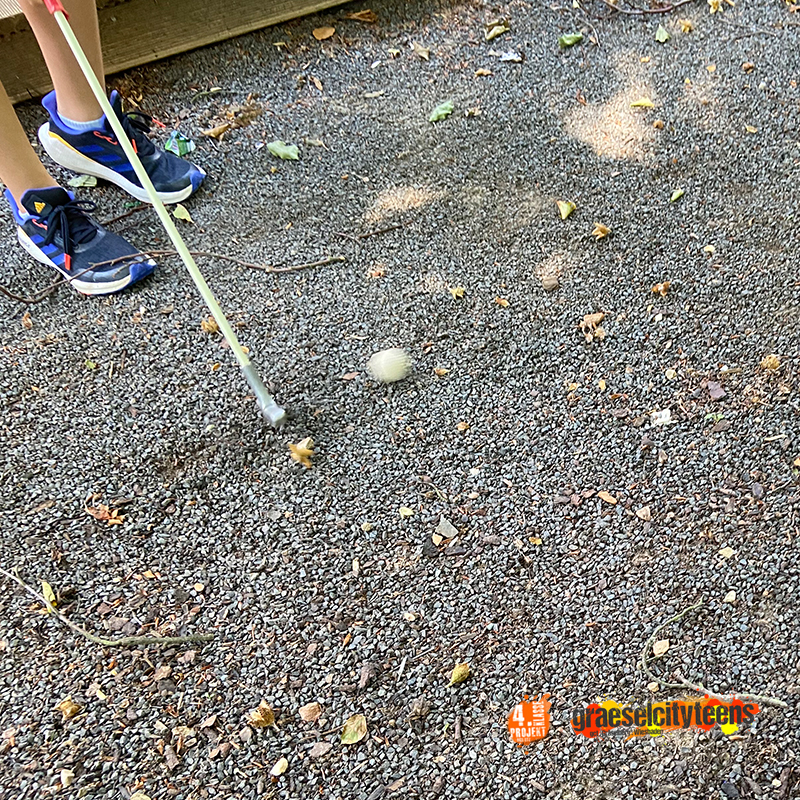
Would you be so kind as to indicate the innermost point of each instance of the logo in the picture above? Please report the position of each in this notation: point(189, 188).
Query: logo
point(612, 719)
point(529, 721)
point(39, 206)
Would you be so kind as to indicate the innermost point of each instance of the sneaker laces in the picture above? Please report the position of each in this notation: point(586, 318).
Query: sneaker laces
point(71, 222)
point(136, 125)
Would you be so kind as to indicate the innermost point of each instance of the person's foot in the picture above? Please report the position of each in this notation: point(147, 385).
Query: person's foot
point(97, 152)
point(56, 230)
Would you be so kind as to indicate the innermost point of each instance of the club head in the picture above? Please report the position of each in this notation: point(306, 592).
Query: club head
point(272, 413)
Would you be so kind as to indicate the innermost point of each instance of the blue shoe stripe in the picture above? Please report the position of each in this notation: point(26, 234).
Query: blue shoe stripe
point(108, 158)
point(91, 148)
point(50, 249)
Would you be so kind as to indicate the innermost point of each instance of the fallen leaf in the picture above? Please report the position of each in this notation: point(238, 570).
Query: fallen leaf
point(302, 452)
point(164, 671)
point(288, 152)
point(89, 364)
point(68, 709)
point(180, 212)
point(660, 647)
point(456, 291)
point(662, 34)
point(459, 674)
point(105, 514)
point(406, 512)
point(320, 34)
point(607, 497)
point(565, 207)
point(369, 671)
point(355, 729)
point(600, 231)
point(535, 540)
point(423, 52)
point(420, 708)
point(82, 181)
point(66, 777)
point(601, 385)
point(501, 301)
point(310, 712)
point(676, 195)
point(750, 129)
point(643, 102)
point(281, 765)
point(261, 717)
point(349, 376)
point(320, 749)
point(463, 426)
point(495, 29)
point(590, 326)
point(482, 72)
point(209, 325)
point(748, 66)
point(442, 111)
point(317, 82)
point(440, 372)
point(217, 132)
point(661, 288)
point(26, 321)
point(730, 597)
point(727, 552)
point(208, 722)
point(686, 25)
point(770, 363)
point(48, 594)
point(569, 39)
point(367, 15)
point(644, 514)
point(670, 374)
point(658, 124)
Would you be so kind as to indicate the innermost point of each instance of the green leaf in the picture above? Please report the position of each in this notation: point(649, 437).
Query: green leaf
point(90, 364)
point(662, 34)
point(82, 180)
point(569, 39)
point(442, 111)
point(48, 593)
point(180, 212)
point(676, 195)
point(355, 729)
point(288, 152)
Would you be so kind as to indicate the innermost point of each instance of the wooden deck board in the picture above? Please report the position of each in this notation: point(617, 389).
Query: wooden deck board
point(135, 32)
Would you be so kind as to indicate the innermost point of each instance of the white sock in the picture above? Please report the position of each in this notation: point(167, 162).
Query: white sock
point(93, 125)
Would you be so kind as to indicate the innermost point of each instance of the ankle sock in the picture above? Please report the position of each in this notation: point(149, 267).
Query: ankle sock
point(92, 125)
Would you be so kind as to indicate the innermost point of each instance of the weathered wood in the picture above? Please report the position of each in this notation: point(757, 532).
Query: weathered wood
point(135, 32)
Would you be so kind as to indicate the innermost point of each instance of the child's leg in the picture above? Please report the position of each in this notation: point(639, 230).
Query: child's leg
point(75, 98)
point(20, 168)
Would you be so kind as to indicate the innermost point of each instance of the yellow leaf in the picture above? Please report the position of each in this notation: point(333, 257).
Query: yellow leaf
point(459, 674)
point(281, 765)
point(406, 512)
point(481, 73)
point(565, 208)
point(770, 362)
point(643, 102)
point(727, 552)
point(463, 426)
point(310, 712)
point(457, 292)
point(686, 25)
point(440, 372)
point(712, 67)
point(750, 129)
point(608, 498)
point(48, 594)
point(501, 301)
point(601, 384)
point(355, 729)
point(671, 374)
point(660, 647)
point(180, 212)
point(209, 325)
point(302, 451)
point(320, 34)
point(261, 717)
point(68, 709)
point(535, 540)
point(218, 132)
point(600, 231)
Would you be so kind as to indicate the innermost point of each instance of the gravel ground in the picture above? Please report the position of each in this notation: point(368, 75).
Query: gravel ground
point(308, 576)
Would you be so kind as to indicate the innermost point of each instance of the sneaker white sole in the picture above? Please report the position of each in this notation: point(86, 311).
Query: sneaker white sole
point(82, 286)
point(69, 158)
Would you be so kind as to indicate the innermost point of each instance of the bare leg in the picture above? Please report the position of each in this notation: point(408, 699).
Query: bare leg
point(75, 98)
point(20, 168)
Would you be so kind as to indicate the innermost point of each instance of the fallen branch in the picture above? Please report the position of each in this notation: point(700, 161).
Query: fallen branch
point(125, 641)
point(119, 217)
point(695, 687)
point(640, 12)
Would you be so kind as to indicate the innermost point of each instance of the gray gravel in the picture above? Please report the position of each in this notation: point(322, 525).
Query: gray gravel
point(223, 532)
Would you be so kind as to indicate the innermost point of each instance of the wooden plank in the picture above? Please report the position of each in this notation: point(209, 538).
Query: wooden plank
point(136, 32)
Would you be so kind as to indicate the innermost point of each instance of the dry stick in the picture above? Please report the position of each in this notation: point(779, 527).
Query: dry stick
point(695, 687)
point(125, 641)
point(119, 217)
point(640, 12)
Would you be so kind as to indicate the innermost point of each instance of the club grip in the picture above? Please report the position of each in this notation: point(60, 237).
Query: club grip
point(55, 5)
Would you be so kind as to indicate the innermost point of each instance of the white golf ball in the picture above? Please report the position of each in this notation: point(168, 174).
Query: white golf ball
point(388, 366)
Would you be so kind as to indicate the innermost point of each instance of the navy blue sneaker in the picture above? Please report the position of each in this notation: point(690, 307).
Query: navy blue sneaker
point(98, 153)
point(56, 230)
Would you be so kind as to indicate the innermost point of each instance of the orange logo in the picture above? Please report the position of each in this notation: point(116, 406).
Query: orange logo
point(529, 721)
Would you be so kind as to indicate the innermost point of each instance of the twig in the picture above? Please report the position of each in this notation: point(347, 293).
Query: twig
point(640, 12)
point(125, 641)
point(110, 221)
point(42, 294)
point(695, 687)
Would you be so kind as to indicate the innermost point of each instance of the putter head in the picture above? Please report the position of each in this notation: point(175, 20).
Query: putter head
point(270, 410)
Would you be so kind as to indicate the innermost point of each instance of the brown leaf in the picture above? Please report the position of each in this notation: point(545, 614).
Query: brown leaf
point(501, 301)
point(590, 326)
point(208, 722)
point(261, 717)
point(310, 712)
point(209, 325)
point(368, 673)
point(105, 514)
point(26, 321)
point(367, 15)
point(218, 132)
point(600, 231)
point(164, 671)
point(661, 288)
point(422, 52)
point(320, 34)
point(440, 372)
point(302, 451)
point(320, 749)
point(355, 729)
point(68, 708)
point(608, 498)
